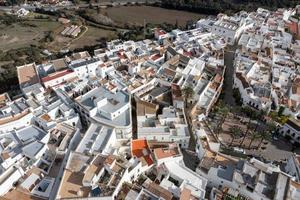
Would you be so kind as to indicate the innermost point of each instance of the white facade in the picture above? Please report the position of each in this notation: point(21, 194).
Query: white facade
point(9, 177)
point(58, 78)
point(109, 108)
point(291, 129)
point(18, 123)
point(293, 167)
point(169, 128)
point(230, 177)
point(86, 68)
point(248, 97)
point(227, 33)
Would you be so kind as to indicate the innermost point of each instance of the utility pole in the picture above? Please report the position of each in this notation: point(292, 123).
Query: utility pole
point(144, 28)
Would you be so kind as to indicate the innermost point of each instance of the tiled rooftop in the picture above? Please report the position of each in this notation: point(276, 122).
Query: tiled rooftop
point(27, 75)
point(140, 149)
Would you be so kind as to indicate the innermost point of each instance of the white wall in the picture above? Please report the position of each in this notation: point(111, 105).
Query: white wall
point(59, 80)
point(43, 123)
point(288, 130)
point(6, 183)
point(227, 34)
point(292, 168)
point(215, 181)
point(22, 122)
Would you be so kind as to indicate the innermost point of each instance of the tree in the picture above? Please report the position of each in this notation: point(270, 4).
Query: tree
point(271, 126)
point(223, 110)
point(246, 132)
point(76, 2)
point(247, 110)
point(281, 110)
point(237, 111)
point(261, 115)
point(176, 23)
point(235, 133)
point(188, 93)
point(253, 115)
point(265, 135)
point(253, 137)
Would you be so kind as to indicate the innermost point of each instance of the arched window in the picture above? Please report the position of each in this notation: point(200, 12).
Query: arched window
point(293, 134)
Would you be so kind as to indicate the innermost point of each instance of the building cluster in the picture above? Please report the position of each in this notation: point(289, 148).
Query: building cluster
point(71, 31)
point(111, 124)
point(267, 62)
point(243, 179)
point(267, 56)
point(116, 125)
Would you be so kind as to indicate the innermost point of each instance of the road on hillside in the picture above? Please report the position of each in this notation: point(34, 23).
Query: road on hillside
point(72, 6)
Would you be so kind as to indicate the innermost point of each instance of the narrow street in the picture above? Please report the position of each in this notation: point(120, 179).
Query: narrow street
point(227, 89)
point(228, 82)
point(192, 143)
point(134, 119)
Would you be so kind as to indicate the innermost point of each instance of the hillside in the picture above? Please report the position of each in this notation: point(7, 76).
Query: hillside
point(228, 6)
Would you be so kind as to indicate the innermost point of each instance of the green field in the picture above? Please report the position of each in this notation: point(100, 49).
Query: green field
point(92, 37)
point(25, 33)
point(155, 15)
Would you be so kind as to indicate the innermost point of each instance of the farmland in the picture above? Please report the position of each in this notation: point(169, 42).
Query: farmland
point(23, 34)
point(33, 29)
point(154, 15)
point(92, 37)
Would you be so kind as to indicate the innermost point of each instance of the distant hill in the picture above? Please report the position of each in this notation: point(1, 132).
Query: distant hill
point(226, 6)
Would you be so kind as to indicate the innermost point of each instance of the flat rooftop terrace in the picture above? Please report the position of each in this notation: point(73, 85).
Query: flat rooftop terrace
point(114, 100)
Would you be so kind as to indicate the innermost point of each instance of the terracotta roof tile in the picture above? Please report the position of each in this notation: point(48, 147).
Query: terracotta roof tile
point(140, 149)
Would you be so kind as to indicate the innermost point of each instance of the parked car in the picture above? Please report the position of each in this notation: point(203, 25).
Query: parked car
point(239, 150)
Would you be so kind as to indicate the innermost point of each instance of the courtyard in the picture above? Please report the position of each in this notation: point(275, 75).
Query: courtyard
point(243, 131)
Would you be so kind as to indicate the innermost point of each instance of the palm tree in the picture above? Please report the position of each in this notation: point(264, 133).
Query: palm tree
point(247, 110)
point(246, 132)
point(253, 137)
point(237, 111)
point(188, 93)
point(253, 115)
point(235, 132)
point(271, 126)
point(265, 135)
point(223, 110)
point(261, 115)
